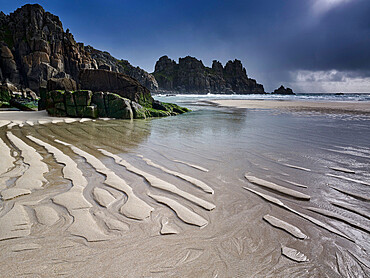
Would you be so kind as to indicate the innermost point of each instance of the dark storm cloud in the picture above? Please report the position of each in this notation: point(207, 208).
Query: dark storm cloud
point(338, 39)
point(274, 39)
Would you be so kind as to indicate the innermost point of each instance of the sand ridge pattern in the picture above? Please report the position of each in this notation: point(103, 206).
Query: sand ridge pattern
point(7, 161)
point(309, 218)
point(278, 188)
point(134, 206)
point(196, 182)
point(158, 183)
point(73, 200)
point(33, 177)
point(86, 214)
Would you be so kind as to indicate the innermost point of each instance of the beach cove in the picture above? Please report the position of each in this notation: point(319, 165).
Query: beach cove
point(235, 190)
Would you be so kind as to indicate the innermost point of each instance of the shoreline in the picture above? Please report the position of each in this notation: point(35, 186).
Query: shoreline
point(351, 107)
point(362, 107)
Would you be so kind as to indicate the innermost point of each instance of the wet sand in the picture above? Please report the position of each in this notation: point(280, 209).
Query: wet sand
point(211, 193)
point(323, 106)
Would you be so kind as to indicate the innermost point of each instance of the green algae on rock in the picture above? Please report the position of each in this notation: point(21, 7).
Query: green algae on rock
point(85, 103)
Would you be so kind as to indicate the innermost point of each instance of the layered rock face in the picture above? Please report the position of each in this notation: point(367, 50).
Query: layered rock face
point(35, 48)
point(191, 76)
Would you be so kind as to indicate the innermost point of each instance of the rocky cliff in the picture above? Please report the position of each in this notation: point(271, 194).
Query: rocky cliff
point(34, 48)
point(191, 76)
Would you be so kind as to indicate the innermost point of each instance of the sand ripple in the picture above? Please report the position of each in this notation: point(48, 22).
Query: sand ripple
point(352, 194)
point(341, 218)
point(307, 217)
point(33, 177)
point(182, 212)
point(7, 161)
point(134, 207)
point(281, 189)
point(293, 254)
point(192, 180)
point(293, 230)
point(161, 184)
point(349, 179)
point(192, 165)
point(15, 223)
point(354, 209)
point(297, 167)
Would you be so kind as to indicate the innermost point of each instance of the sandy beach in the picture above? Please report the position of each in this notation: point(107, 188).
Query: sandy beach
point(319, 106)
point(284, 196)
point(233, 141)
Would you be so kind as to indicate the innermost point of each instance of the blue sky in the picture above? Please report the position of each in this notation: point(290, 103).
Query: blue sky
point(310, 45)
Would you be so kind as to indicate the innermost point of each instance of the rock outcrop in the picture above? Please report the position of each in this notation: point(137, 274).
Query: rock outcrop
point(114, 82)
point(34, 48)
point(191, 76)
point(283, 91)
point(85, 103)
point(12, 97)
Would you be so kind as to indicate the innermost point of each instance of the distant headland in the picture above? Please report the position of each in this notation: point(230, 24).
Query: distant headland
point(191, 76)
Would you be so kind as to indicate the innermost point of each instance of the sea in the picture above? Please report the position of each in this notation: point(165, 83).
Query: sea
point(300, 97)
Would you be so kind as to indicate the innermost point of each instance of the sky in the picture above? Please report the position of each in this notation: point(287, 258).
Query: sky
point(308, 45)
